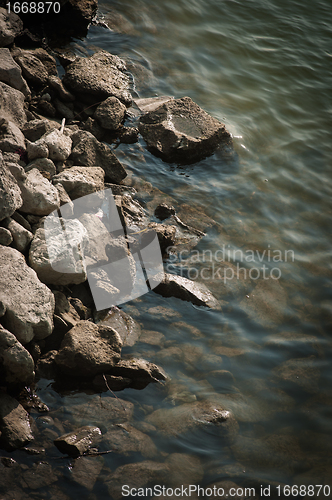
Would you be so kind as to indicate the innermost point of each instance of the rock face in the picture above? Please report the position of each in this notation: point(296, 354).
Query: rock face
point(14, 423)
point(78, 442)
point(11, 73)
point(10, 194)
point(39, 196)
point(10, 26)
point(98, 77)
point(180, 131)
point(12, 105)
point(33, 69)
point(11, 138)
point(110, 113)
point(15, 359)
point(89, 152)
point(29, 303)
point(81, 181)
point(87, 350)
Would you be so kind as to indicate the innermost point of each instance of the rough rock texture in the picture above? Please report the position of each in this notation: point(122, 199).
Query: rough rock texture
point(78, 442)
point(99, 237)
point(126, 440)
point(57, 85)
point(110, 113)
point(86, 350)
point(16, 361)
point(10, 72)
point(89, 152)
point(165, 233)
point(44, 165)
point(12, 105)
point(141, 372)
point(184, 289)
point(98, 76)
point(5, 237)
point(10, 26)
point(29, 303)
point(128, 329)
point(11, 138)
point(14, 424)
point(57, 255)
point(35, 129)
point(299, 373)
point(81, 181)
point(32, 68)
point(59, 145)
point(39, 196)
point(180, 131)
point(21, 236)
point(10, 194)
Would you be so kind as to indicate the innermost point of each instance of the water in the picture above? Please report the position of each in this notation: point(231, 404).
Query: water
point(263, 68)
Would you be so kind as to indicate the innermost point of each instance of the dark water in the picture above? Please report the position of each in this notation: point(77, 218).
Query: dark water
point(262, 67)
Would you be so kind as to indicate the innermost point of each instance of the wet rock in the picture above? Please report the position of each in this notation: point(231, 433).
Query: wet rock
point(10, 27)
point(44, 165)
point(184, 469)
point(12, 105)
point(15, 360)
point(67, 249)
point(39, 196)
point(180, 131)
point(190, 416)
point(136, 475)
point(21, 236)
point(126, 440)
point(81, 181)
point(86, 470)
point(184, 289)
point(110, 113)
point(87, 350)
point(99, 76)
point(10, 194)
point(57, 85)
point(141, 372)
point(102, 411)
point(129, 135)
point(112, 382)
point(151, 103)
point(164, 211)
point(14, 424)
point(165, 233)
point(89, 152)
point(10, 73)
point(29, 303)
point(128, 329)
point(299, 373)
point(40, 475)
point(5, 237)
point(33, 69)
point(11, 138)
point(79, 441)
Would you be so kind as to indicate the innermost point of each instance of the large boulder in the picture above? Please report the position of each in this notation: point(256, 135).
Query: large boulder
point(39, 196)
point(89, 152)
point(97, 77)
point(79, 441)
point(180, 131)
point(10, 194)
point(81, 181)
point(11, 138)
point(12, 105)
point(28, 303)
point(10, 72)
point(140, 371)
point(110, 113)
point(14, 424)
point(10, 26)
point(33, 69)
point(16, 361)
point(87, 350)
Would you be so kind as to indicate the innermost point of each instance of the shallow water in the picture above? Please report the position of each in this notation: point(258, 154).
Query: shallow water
point(263, 68)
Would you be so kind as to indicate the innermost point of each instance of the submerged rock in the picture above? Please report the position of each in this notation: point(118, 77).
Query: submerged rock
point(141, 372)
point(126, 440)
point(14, 424)
point(79, 441)
point(180, 131)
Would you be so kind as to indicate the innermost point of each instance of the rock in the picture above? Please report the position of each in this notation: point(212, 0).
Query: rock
point(128, 329)
point(191, 416)
point(57, 253)
point(11, 138)
point(39, 196)
point(40, 475)
point(16, 361)
point(36, 149)
point(141, 372)
point(180, 131)
point(112, 382)
point(126, 440)
point(48, 61)
point(78, 442)
point(10, 194)
point(65, 202)
point(81, 181)
point(151, 103)
point(102, 411)
point(86, 471)
point(21, 236)
point(21, 220)
point(89, 152)
point(44, 165)
point(57, 85)
point(164, 211)
point(33, 69)
point(29, 303)
point(35, 129)
point(59, 145)
point(99, 236)
point(165, 233)
point(99, 76)
point(12, 105)
point(14, 424)
point(184, 289)
point(10, 72)
point(10, 26)
point(110, 113)
point(63, 110)
point(5, 237)
point(129, 135)
point(298, 373)
point(184, 469)
point(87, 350)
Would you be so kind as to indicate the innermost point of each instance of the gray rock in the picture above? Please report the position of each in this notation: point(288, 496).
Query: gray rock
point(141, 372)
point(44, 165)
point(128, 329)
point(99, 76)
point(59, 145)
point(22, 221)
point(78, 442)
point(111, 411)
point(5, 237)
point(151, 103)
point(11, 73)
point(57, 85)
point(16, 361)
point(86, 350)
point(86, 470)
point(14, 424)
point(10, 26)
point(29, 303)
point(58, 257)
point(63, 110)
point(39, 196)
point(184, 289)
point(33, 69)
point(89, 152)
point(35, 129)
point(12, 105)
point(126, 440)
point(110, 113)
point(180, 131)
point(298, 373)
point(10, 194)
point(81, 181)
point(112, 382)
point(11, 138)
point(99, 236)
point(21, 236)
point(40, 475)
point(36, 149)
point(17, 172)
point(48, 61)
point(165, 233)
point(184, 469)
point(68, 209)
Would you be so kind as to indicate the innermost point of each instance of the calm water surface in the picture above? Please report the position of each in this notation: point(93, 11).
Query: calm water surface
point(262, 67)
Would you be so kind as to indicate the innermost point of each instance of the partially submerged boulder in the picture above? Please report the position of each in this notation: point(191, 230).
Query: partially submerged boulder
point(14, 424)
point(180, 131)
point(140, 371)
point(16, 361)
point(79, 441)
